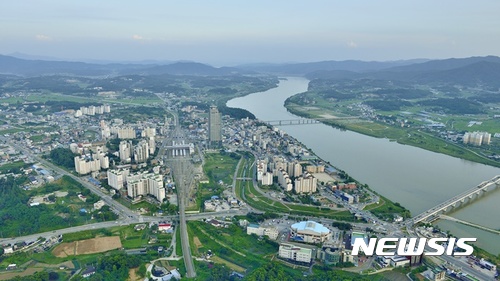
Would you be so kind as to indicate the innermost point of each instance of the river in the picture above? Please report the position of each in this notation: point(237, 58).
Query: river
point(416, 178)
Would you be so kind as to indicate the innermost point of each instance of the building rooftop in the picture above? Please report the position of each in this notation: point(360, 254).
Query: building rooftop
point(310, 226)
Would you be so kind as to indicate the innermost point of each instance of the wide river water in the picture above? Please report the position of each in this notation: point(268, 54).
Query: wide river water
point(416, 178)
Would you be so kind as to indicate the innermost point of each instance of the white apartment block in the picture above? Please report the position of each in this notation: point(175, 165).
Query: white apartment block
point(294, 169)
point(284, 180)
point(126, 133)
point(306, 184)
point(146, 184)
point(152, 145)
point(84, 166)
point(267, 179)
point(477, 138)
point(125, 151)
point(148, 132)
point(117, 178)
point(141, 152)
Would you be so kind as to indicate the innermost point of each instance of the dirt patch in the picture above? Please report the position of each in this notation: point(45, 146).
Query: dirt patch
point(132, 273)
point(197, 242)
point(98, 245)
point(64, 250)
point(229, 264)
point(89, 246)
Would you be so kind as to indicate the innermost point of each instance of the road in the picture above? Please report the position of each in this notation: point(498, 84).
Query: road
point(121, 222)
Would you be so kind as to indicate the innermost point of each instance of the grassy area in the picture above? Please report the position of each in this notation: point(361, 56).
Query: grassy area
point(86, 234)
point(233, 246)
point(386, 209)
point(7, 168)
point(37, 138)
point(130, 238)
point(178, 244)
point(12, 131)
point(219, 168)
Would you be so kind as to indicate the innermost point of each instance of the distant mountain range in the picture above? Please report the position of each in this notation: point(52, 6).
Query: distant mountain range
point(467, 72)
point(464, 71)
point(309, 67)
point(24, 67)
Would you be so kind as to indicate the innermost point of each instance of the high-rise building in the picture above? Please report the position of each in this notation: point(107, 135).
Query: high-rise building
point(141, 152)
point(214, 127)
point(146, 184)
point(152, 145)
point(117, 178)
point(477, 138)
point(306, 184)
point(125, 150)
point(126, 133)
point(84, 166)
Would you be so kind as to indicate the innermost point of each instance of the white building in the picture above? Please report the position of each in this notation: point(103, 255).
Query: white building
point(297, 252)
point(284, 180)
point(117, 178)
point(84, 166)
point(267, 179)
point(126, 133)
point(148, 132)
point(477, 138)
point(141, 152)
point(305, 184)
point(271, 232)
point(146, 184)
point(294, 169)
point(152, 145)
point(125, 150)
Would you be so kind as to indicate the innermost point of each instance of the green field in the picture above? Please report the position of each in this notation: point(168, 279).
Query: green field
point(10, 167)
point(72, 98)
point(233, 244)
point(219, 168)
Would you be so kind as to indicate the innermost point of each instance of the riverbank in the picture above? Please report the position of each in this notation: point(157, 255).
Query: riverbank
point(406, 136)
point(416, 178)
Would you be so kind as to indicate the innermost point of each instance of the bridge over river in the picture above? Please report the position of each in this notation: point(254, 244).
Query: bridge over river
point(457, 201)
point(306, 121)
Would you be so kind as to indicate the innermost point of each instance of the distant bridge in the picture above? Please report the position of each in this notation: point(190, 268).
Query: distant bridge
point(306, 121)
point(457, 201)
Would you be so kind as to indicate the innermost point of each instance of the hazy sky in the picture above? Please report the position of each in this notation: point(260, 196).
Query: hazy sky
point(231, 31)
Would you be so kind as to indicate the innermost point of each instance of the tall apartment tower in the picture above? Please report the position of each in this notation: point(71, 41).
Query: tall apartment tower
point(214, 127)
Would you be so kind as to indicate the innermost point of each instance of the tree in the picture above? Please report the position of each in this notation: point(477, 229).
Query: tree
point(53, 275)
point(63, 157)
